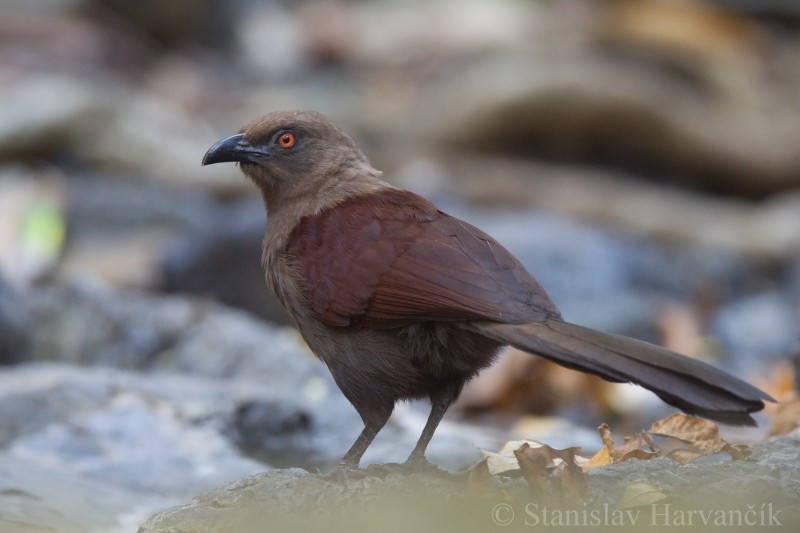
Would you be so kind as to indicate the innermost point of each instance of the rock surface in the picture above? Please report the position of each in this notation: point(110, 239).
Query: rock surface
point(764, 494)
point(131, 401)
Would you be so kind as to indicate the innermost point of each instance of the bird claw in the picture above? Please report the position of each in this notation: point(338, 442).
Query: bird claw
point(419, 463)
point(413, 465)
point(342, 473)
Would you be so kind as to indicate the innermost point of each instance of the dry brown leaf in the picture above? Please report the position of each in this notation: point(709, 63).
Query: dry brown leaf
point(706, 33)
point(559, 469)
point(786, 417)
point(601, 458)
point(505, 461)
point(480, 478)
point(699, 432)
point(632, 448)
point(570, 482)
point(780, 381)
point(638, 454)
point(684, 456)
point(680, 328)
point(639, 493)
point(519, 384)
point(536, 465)
point(737, 452)
point(605, 436)
point(701, 435)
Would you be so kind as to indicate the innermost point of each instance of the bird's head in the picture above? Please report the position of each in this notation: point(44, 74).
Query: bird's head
point(291, 151)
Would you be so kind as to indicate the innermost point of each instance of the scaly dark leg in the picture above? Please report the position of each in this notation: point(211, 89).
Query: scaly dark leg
point(356, 451)
point(438, 409)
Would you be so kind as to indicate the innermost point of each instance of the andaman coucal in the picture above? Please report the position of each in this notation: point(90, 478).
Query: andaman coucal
point(401, 300)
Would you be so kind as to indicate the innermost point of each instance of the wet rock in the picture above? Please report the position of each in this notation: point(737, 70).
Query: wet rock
point(759, 329)
point(150, 332)
point(130, 443)
point(781, 14)
point(276, 430)
point(208, 22)
point(123, 441)
point(302, 420)
point(38, 497)
point(140, 440)
point(222, 259)
point(120, 228)
point(34, 123)
point(105, 123)
point(647, 139)
point(765, 230)
point(165, 335)
point(14, 332)
point(290, 499)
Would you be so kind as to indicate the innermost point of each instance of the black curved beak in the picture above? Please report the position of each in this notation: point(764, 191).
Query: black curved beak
point(234, 149)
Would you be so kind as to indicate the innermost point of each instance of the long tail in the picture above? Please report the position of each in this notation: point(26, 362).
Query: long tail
point(693, 386)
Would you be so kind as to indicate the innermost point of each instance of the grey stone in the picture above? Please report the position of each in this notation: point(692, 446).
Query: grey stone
point(14, 325)
point(759, 328)
point(121, 443)
point(149, 332)
point(36, 497)
point(292, 413)
point(767, 484)
point(127, 443)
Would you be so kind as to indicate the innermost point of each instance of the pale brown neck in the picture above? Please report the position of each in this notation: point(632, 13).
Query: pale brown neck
point(287, 206)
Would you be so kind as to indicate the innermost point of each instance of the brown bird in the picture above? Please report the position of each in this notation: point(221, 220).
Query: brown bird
point(401, 300)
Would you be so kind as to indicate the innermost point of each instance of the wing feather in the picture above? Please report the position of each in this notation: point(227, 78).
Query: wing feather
point(391, 258)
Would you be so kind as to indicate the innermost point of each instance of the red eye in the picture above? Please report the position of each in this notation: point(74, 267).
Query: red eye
point(286, 140)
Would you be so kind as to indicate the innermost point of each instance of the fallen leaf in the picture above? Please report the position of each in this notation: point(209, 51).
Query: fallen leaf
point(632, 447)
point(786, 417)
point(570, 482)
point(480, 477)
point(680, 328)
point(781, 379)
point(737, 451)
point(505, 461)
point(701, 435)
point(535, 465)
point(601, 458)
point(553, 475)
point(639, 493)
point(605, 436)
point(684, 456)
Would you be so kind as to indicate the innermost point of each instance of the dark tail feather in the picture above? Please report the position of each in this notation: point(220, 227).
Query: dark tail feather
point(693, 386)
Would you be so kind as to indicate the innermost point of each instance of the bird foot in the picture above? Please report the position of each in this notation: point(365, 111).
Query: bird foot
point(413, 465)
point(419, 463)
point(423, 466)
point(343, 472)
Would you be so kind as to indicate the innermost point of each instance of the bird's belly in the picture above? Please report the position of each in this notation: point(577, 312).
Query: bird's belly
point(411, 362)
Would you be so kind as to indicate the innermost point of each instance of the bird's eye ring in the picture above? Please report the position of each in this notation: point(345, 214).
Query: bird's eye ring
point(286, 140)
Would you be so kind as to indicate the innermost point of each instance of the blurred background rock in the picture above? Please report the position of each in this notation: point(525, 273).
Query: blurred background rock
point(642, 157)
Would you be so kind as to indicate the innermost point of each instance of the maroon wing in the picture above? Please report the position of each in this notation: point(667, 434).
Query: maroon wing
point(391, 258)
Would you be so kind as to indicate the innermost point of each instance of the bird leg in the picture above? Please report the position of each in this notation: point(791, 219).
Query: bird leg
point(438, 408)
point(349, 463)
point(372, 425)
point(353, 455)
